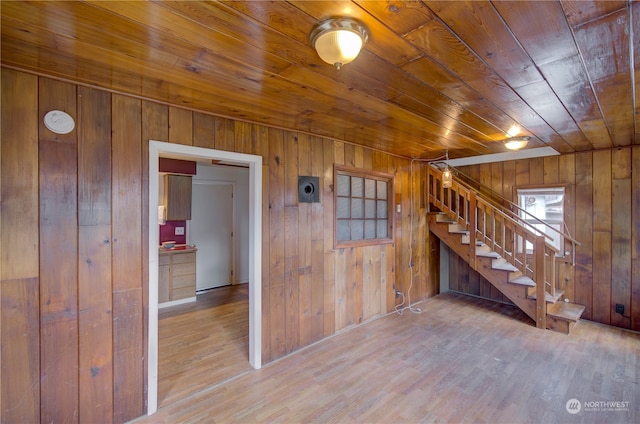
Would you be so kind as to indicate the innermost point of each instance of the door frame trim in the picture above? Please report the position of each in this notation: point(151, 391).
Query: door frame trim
point(180, 151)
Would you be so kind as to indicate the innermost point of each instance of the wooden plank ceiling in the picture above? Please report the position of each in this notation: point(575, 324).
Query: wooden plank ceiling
point(435, 75)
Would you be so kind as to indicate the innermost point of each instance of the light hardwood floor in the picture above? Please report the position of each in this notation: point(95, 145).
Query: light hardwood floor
point(203, 343)
point(461, 360)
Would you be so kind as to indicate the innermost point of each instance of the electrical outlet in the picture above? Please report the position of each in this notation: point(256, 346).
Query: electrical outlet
point(619, 308)
point(398, 293)
point(179, 231)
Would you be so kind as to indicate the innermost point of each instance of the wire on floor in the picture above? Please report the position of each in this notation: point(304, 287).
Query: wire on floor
point(401, 308)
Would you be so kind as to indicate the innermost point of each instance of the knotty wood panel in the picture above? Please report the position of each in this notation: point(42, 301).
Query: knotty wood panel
point(20, 337)
point(128, 386)
point(584, 232)
point(318, 236)
point(266, 243)
point(224, 137)
point(329, 296)
point(58, 259)
point(304, 242)
point(567, 176)
point(635, 236)
point(602, 208)
point(95, 324)
point(127, 250)
point(291, 279)
point(204, 130)
point(154, 127)
point(19, 284)
point(277, 317)
point(356, 286)
point(243, 139)
point(621, 250)
point(621, 233)
point(95, 320)
point(180, 126)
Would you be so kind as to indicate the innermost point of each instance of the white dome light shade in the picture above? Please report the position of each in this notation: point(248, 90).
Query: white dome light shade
point(516, 143)
point(338, 41)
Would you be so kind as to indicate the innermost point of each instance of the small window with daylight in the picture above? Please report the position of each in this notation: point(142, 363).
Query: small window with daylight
point(543, 209)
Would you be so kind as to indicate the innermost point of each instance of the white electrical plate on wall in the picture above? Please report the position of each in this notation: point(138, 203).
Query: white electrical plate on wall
point(179, 231)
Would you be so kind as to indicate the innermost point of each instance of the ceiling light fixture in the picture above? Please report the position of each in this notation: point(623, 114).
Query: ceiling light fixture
point(514, 130)
point(516, 143)
point(447, 178)
point(338, 40)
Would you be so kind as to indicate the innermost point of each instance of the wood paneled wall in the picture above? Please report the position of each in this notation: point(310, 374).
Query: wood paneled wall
point(74, 286)
point(602, 213)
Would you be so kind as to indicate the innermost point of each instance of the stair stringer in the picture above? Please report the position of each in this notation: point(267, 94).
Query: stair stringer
point(517, 293)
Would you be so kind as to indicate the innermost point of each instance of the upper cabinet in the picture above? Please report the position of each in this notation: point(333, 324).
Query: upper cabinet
point(177, 197)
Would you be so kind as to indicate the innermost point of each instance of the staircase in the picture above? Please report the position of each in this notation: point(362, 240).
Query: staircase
point(513, 256)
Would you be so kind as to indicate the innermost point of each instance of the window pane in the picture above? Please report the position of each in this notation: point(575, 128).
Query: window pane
point(382, 190)
point(370, 189)
point(382, 209)
point(343, 230)
point(370, 229)
point(357, 229)
point(382, 228)
point(344, 181)
point(547, 205)
point(357, 187)
point(369, 208)
point(357, 208)
point(361, 207)
point(342, 208)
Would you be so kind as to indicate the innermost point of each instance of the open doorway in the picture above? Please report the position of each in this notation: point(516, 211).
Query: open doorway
point(178, 151)
point(212, 229)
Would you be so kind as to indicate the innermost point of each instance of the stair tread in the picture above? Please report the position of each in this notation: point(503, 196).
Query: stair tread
point(456, 228)
point(444, 218)
point(566, 310)
point(550, 299)
point(486, 252)
point(503, 265)
point(523, 281)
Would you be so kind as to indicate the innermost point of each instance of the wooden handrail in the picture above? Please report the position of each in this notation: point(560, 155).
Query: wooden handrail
point(564, 235)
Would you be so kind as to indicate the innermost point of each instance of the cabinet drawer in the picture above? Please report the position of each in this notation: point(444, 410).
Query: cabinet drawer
point(189, 280)
point(184, 269)
point(181, 258)
point(164, 259)
point(183, 292)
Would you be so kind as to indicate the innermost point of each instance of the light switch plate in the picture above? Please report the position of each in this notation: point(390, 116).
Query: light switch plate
point(179, 231)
